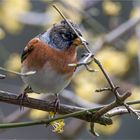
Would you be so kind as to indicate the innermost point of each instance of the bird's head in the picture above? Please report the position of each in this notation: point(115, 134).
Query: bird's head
point(61, 36)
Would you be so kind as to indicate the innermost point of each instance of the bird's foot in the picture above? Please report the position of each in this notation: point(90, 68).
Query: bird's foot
point(55, 104)
point(23, 96)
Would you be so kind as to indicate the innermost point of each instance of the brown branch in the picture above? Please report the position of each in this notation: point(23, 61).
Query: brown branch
point(112, 105)
point(109, 38)
point(66, 94)
point(11, 98)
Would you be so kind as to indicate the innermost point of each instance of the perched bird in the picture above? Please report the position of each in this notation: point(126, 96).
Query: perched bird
point(49, 54)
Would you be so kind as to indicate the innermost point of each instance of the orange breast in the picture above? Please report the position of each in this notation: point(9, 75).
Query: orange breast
point(58, 60)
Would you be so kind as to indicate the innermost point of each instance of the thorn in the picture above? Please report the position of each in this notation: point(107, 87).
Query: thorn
point(103, 89)
point(92, 130)
point(90, 69)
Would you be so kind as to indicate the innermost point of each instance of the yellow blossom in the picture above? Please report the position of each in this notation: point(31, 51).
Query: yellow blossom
point(58, 126)
point(68, 12)
point(51, 114)
point(109, 129)
point(135, 96)
point(2, 33)
point(83, 87)
point(132, 46)
point(37, 114)
point(10, 10)
point(135, 12)
point(111, 8)
point(13, 62)
point(115, 62)
point(86, 83)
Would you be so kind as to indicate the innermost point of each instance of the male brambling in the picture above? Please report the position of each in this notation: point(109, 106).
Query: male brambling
point(49, 54)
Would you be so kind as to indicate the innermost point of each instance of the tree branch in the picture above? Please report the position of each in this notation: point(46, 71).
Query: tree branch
point(69, 111)
point(11, 98)
point(119, 111)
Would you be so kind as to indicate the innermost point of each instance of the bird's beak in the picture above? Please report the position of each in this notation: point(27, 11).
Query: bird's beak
point(78, 41)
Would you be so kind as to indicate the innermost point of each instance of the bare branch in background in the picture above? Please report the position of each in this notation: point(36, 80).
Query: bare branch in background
point(116, 33)
point(34, 18)
point(2, 76)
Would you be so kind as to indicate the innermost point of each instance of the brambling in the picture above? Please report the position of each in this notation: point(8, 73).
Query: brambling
point(49, 54)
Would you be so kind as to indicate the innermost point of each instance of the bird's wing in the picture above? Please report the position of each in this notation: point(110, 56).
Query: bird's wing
point(26, 52)
point(28, 49)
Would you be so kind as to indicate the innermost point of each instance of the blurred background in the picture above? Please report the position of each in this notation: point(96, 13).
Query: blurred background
point(21, 20)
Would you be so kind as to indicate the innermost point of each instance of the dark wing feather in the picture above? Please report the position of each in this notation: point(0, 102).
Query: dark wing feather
point(25, 53)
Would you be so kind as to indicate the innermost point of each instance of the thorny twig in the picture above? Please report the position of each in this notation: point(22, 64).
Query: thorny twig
point(88, 18)
point(119, 99)
point(106, 89)
point(91, 57)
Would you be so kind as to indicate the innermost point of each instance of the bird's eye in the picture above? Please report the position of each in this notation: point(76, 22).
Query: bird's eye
point(67, 36)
